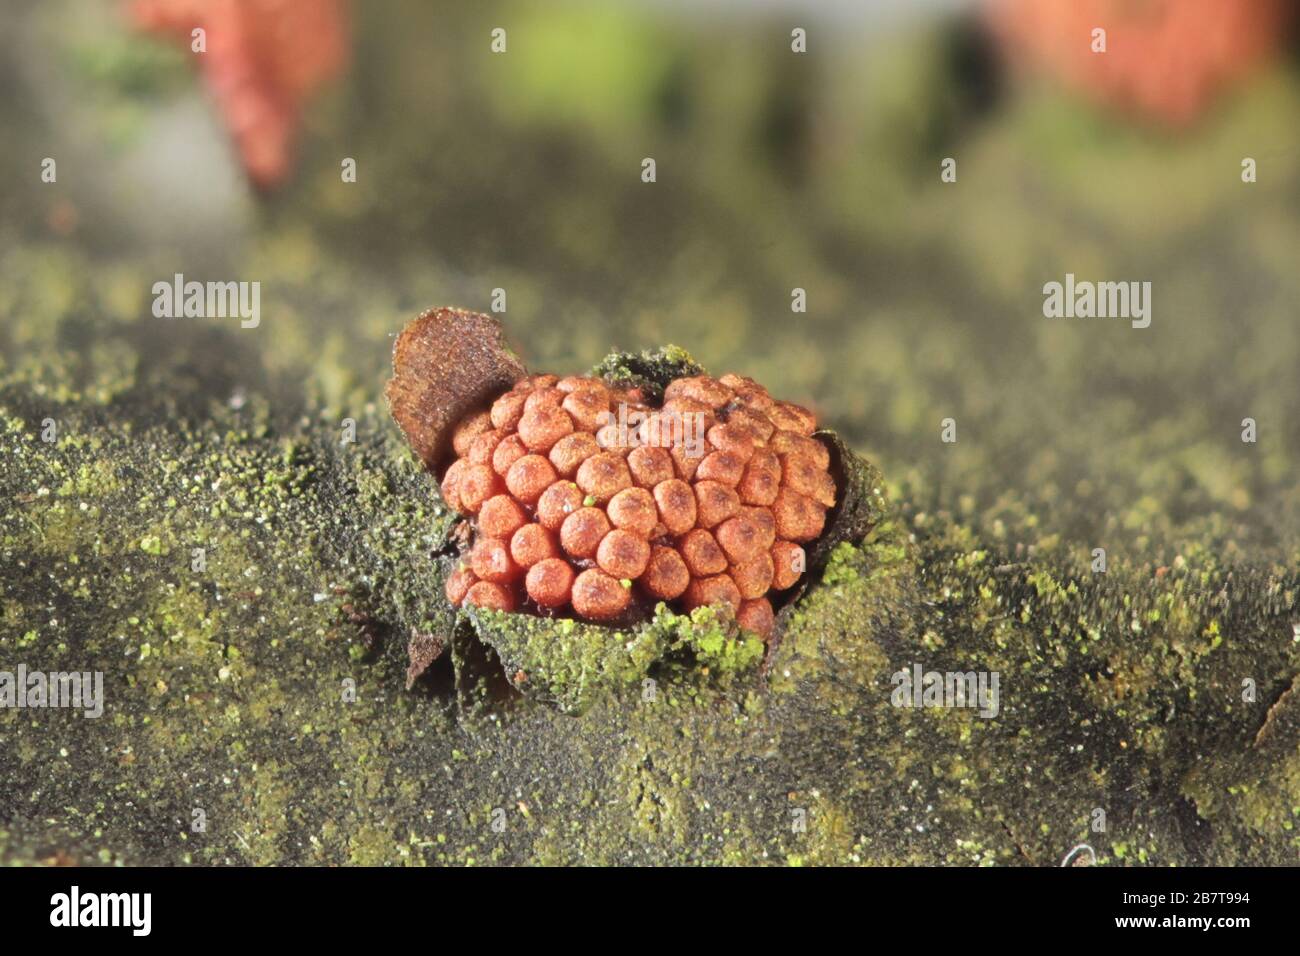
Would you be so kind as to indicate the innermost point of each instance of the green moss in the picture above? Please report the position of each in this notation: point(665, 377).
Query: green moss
point(567, 662)
point(716, 643)
point(652, 368)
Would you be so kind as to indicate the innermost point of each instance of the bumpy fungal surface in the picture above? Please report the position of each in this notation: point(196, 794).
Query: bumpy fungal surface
point(611, 520)
point(601, 501)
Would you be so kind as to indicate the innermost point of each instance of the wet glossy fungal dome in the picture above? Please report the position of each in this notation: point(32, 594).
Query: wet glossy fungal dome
point(598, 500)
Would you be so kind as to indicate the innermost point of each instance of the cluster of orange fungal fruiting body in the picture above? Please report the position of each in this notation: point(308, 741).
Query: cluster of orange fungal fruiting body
point(587, 498)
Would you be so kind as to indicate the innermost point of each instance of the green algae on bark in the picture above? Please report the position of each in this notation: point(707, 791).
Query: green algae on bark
point(568, 662)
point(246, 690)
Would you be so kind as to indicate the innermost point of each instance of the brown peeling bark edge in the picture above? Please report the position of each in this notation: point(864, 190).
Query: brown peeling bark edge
point(447, 363)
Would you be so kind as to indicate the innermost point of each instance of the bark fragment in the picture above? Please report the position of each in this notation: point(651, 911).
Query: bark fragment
point(446, 363)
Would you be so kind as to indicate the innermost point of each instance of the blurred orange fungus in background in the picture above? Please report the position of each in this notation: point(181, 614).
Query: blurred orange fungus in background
point(262, 59)
point(1164, 59)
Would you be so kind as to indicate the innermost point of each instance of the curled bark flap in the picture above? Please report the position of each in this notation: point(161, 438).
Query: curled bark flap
point(446, 363)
